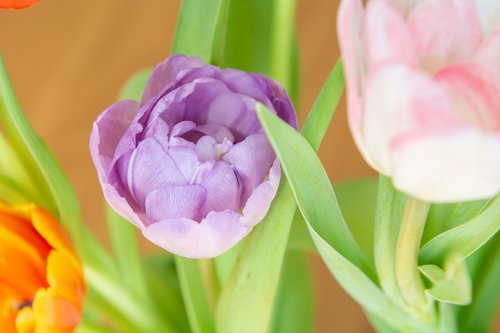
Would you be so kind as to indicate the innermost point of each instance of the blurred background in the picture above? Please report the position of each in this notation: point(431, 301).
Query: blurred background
point(69, 59)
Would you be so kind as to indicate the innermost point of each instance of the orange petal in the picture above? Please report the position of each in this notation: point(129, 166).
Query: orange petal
point(50, 229)
point(16, 4)
point(54, 314)
point(25, 321)
point(65, 277)
point(25, 229)
point(7, 315)
point(22, 269)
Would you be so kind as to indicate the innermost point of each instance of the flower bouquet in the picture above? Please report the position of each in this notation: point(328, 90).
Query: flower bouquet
point(204, 156)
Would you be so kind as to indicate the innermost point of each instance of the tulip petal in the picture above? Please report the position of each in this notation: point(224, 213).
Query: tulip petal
point(476, 94)
point(176, 202)
point(489, 12)
point(107, 133)
point(388, 38)
point(488, 52)
point(400, 99)
point(150, 168)
point(444, 31)
point(221, 183)
point(251, 168)
point(217, 233)
point(64, 275)
point(25, 321)
point(166, 72)
point(448, 166)
point(53, 312)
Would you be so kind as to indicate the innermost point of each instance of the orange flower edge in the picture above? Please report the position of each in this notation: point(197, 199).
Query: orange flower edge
point(16, 4)
point(41, 278)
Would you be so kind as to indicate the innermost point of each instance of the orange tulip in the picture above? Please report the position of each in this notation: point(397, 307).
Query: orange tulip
point(16, 4)
point(41, 279)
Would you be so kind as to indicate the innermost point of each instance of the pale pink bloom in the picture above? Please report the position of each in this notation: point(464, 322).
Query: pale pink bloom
point(423, 84)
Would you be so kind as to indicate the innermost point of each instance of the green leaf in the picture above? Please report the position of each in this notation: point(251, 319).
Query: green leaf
point(317, 202)
point(451, 285)
point(200, 28)
point(480, 314)
point(443, 217)
point(247, 299)
point(135, 85)
point(465, 238)
point(324, 107)
point(294, 307)
point(312, 189)
point(39, 161)
point(389, 213)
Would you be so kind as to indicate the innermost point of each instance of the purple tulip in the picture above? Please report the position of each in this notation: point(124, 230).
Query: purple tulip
point(190, 165)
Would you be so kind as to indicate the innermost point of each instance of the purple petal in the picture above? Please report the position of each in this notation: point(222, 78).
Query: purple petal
point(186, 160)
point(216, 234)
point(107, 132)
point(150, 168)
point(220, 181)
point(166, 72)
point(260, 200)
point(175, 202)
point(252, 158)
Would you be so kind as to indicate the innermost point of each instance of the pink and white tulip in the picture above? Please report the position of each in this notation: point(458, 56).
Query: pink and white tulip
point(423, 84)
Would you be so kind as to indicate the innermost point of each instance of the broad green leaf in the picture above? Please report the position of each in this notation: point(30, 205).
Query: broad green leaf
point(200, 28)
point(294, 306)
point(324, 107)
point(134, 87)
point(443, 217)
point(335, 244)
point(451, 285)
point(388, 216)
point(479, 315)
point(312, 189)
point(225, 263)
point(247, 299)
point(359, 218)
point(465, 238)
point(12, 192)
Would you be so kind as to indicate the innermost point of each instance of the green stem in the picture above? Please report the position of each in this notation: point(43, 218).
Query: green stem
point(408, 245)
point(210, 281)
point(282, 41)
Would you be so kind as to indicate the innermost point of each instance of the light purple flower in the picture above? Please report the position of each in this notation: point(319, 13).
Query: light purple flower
point(190, 165)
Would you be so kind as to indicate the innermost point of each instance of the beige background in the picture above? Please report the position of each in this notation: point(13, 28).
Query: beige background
point(68, 60)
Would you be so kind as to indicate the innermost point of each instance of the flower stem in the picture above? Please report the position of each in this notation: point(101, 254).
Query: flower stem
point(408, 245)
point(210, 281)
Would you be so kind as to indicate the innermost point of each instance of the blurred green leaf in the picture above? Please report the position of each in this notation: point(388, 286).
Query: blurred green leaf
point(247, 299)
point(318, 204)
point(324, 107)
point(465, 238)
point(135, 85)
point(478, 317)
point(200, 28)
point(451, 285)
point(294, 306)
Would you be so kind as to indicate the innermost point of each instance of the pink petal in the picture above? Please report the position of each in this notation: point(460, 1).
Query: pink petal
point(216, 234)
point(183, 201)
point(458, 165)
point(475, 90)
point(388, 38)
point(444, 31)
point(399, 100)
point(488, 52)
point(349, 28)
point(489, 12)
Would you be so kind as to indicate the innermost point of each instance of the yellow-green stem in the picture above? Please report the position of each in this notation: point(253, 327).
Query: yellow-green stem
point(408, 245)
point(210, 281)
